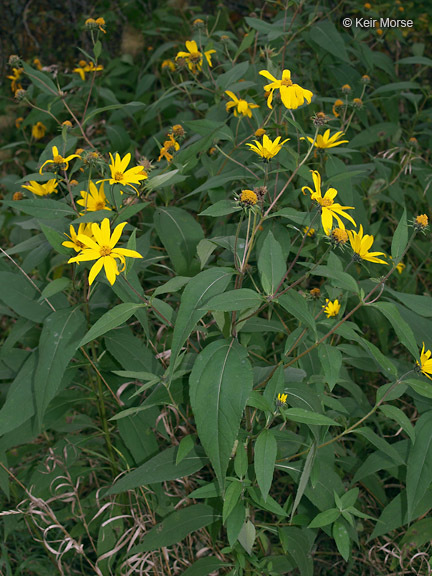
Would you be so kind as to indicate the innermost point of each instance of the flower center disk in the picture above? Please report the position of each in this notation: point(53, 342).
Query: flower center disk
point(105, 251)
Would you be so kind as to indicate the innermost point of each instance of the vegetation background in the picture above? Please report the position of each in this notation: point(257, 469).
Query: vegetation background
point(242, 388)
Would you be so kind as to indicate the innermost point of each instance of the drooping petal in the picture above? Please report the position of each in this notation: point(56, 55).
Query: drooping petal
point(110, 268)
point(95, 269)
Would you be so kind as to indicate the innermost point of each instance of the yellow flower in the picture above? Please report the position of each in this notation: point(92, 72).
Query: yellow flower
point(168, 64)
point(421, 222)
point(42, 189)
point(315, 293)
point(281, 399)
point(94, 199)
point(327, 141)
point(37, 63)
point(102, 249)
point(259, 132)
point(167, 145)
point(338, 103)
point(59, 162)
point(84, 67)
point(101, 24)
point(339, 236)
point(331, 308)
point(425, 363)
point(400, 267)
point(15, 84)
point(194, 57)
point(311, 232)
point(38, 130)
point(240, 106)
point(18, 122)
point(248, 198)
point(268, 149)
point(361, 244)
point(329, 209)
point(119, 174)
point(74, 242)
point(292, 95)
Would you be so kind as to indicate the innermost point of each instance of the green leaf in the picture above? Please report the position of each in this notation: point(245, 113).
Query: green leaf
point(130, 107)
point(422, 387)
point(20, 295)
point(204, 566)
point(19, 404)
point(264, 460)
point(186, 445)
point(245, 43)
point(400, 238)
point(308, 417)
point(219, 130)
point(227, 79)
point(271, 264)
point(173, 285)
point(326, 35)
point(163, 180)
point(110, 320)
point(97, 49)
point(41, 80)
point(201, 288)
point(422, 305)
point(55, 239)
point(419, 465)
point(342, 539)
point(58, 343)
point(180, 233)
point(304, 478)
point(339, 279)
point(402, 328)
point(57, 285)
point(160, 468)
point(395, 87)
point(175, 527)
point(44, 208)
point(234, 300)
point(221, 208)
point(400, 418)
point(297, 306)
point(232, 496)
point(325, 518)
point(247, 536)
point(331, 361)
point(381, 444)
point(296, 545)
point(219, 386)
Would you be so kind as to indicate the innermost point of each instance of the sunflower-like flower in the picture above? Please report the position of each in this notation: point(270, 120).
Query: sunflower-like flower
point(84, 67)
point(193, 57)
point(336, 107)
point(42, 189)
point(169, 144)
point(268, 149)
point(361, 245)
point(281, 400)
point(329, 209)
point(119, 174)
point(94, 199)
point(168, 64)
point(102, 249)
point(59, 162)
point(292, 95)
point(73, 242)
point(425, 364)
point(327, 141)
point(240, 106)
point(331, 308)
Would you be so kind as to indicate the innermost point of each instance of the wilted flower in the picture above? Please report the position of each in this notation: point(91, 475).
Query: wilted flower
point(315, 293)
point(338, 104)
point(365, 79)
point(18, 122)
point(38, 130)
point(15, 77)
point(168, 64)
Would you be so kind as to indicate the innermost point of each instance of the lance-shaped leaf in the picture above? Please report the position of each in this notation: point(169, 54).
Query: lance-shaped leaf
point(219, 386)
point(201, 288)
point(61, 334)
